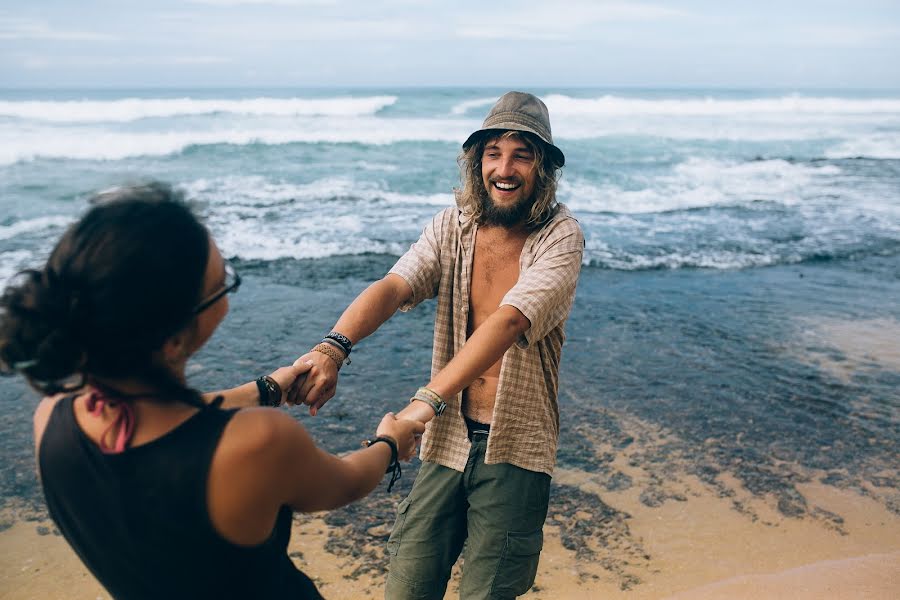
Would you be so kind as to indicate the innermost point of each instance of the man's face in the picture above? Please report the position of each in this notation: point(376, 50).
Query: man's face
point(508, 171)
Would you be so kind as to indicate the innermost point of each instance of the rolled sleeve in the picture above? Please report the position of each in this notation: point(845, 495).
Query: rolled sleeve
point(420, 266)
point(545, 290)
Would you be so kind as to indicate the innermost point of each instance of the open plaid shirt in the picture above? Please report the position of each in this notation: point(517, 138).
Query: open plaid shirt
point(525, 424)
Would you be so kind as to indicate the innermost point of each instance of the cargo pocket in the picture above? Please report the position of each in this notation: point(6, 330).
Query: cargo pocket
point(518, 563)
point(393, 545)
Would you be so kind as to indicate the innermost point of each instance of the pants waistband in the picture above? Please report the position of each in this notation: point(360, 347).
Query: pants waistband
point(476, 428)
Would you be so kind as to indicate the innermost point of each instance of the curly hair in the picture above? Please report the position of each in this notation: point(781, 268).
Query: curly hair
point(472, 194)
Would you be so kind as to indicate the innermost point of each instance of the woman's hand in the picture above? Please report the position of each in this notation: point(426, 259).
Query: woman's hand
point(405, 432)
point(290, 378)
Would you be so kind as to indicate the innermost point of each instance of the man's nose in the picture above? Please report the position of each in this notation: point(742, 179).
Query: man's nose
point(505, 167)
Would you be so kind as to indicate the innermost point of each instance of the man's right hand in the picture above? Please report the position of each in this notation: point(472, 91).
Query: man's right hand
point(319, 385)
point(406, 432)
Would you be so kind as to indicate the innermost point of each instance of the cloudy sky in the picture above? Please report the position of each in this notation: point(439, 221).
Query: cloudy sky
point(534, 43)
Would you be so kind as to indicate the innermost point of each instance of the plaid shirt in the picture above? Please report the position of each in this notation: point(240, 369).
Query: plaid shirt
point(525, 424)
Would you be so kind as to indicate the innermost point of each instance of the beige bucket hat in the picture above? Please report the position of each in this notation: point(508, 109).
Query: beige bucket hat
point(519, 111)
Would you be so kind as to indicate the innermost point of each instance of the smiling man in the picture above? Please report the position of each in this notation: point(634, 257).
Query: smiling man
point(503, 265)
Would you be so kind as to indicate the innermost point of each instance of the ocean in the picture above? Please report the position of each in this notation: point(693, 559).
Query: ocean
point(736, 320)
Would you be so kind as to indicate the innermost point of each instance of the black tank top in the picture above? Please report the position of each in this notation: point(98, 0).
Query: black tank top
point(139, 519)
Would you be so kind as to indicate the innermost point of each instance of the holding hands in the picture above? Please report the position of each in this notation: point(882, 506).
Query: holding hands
point(405, 432)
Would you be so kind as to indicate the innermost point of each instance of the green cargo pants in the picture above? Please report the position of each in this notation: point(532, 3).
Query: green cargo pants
point(498, 511)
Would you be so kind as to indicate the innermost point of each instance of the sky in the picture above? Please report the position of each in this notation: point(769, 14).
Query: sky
point(535, 43)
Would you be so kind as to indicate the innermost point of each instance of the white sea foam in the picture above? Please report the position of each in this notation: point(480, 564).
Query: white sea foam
point(12, 262)
point(560, 105)
point(38, 224)
point(698, 183)
point(23, 143)
point(254, 218)
point(884, 146)
point(132, 109)
point(464, 107)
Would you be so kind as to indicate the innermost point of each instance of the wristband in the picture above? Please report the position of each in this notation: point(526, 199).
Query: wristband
point(394, 466)
point(331, 352)
point(341, 339)
point(269, 391)
point(431, 398)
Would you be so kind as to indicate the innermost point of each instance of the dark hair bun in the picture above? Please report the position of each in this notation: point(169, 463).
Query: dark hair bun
point(35, 331)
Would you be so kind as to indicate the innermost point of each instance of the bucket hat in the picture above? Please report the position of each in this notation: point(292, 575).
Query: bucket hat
point(518, 111)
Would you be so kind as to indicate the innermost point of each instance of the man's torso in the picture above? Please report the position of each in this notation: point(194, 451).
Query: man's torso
point(495, 270)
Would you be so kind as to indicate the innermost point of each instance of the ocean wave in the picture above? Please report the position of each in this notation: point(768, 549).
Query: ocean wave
point(561, 105)
point(464, 107)
point(38, 224)
point(699, 183)
point(880, 146)
point(133, 109)
point(257, 191)
point(14, 261)
point(602, 256)
point(95, 143)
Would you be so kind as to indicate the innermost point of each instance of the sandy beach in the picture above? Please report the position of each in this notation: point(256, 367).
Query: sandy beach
point(703, 545)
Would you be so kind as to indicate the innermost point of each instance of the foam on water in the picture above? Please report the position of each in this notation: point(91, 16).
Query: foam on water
point(99, 143)
point(697, 183)
point(257, 219)
point(561, 105)
point(133, 109)
point(118, 129)
point(39, 224)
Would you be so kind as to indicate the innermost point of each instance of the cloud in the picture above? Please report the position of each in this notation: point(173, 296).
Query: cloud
point(265, 2)
point(546, 21)
point(33, 29)
point(37, 62)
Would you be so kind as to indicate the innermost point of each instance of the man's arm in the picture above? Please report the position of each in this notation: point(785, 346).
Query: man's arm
point(375, 305)
point(483, 348)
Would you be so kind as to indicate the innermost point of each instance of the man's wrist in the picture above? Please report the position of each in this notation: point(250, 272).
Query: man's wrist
point(331, 352)
point(431, 398)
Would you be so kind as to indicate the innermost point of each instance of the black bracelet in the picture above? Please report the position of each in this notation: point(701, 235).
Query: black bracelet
point(394, 466)
point(269, 391)
point(341, 339)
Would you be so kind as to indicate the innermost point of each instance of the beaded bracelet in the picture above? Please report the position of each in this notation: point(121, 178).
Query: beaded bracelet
point(431, 398)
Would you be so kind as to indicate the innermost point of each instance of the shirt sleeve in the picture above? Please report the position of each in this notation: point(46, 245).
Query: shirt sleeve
point(546, 289)
point(420, 267)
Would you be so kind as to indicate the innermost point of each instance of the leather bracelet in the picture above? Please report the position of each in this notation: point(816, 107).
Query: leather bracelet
point(269, 391)
point(395, 451)
point(331, 352)
point(341, 339)
point(394, 467)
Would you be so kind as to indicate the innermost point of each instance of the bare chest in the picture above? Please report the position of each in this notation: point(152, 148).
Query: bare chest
point(495, 270)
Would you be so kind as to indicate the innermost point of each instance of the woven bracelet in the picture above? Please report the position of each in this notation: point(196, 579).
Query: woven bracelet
point(331, 352)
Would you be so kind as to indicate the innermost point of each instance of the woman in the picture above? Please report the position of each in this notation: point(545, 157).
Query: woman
point(162, 492)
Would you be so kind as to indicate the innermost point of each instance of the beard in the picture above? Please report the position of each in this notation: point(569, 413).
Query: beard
point(504, 216)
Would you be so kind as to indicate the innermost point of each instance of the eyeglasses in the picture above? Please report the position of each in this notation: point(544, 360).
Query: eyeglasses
point(232, 283)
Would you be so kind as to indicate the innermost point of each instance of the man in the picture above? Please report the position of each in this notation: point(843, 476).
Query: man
point(503, 264)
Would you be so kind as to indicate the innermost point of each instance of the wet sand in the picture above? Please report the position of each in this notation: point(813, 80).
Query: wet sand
point(698, 547)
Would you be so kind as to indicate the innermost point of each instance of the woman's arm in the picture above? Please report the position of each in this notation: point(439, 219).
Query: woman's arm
point(266, 460)
point(247, 395)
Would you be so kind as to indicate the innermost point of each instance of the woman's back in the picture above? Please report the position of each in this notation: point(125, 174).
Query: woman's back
point(139, 519)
